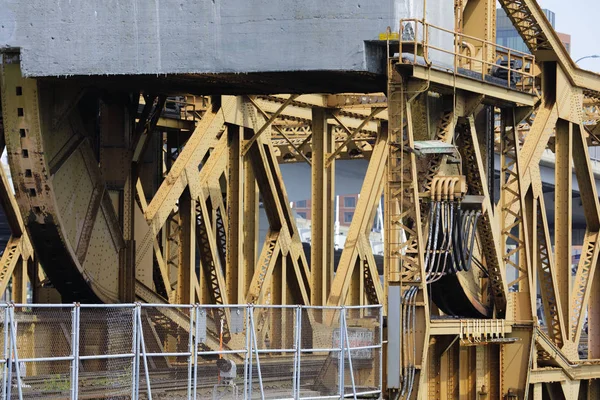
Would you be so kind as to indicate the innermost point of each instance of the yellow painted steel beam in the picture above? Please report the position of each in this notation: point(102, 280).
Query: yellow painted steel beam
point(546, 117)
point(267, 123)
point(589, 257)
point(582, 286)
point(515, 362)
point(11, 210)
point(50, 164)
point(350, 106)
point(494, 328)
point(563, 214)
point(176, 123)
point(235, 265)
point(211, 264)
point(323, 209)
point(146, 125)
point(279, 214)
point(510, 181)
point(304, 113)
point(264, 269)
point(360, 227)
point(281, 132)
point(489, 235)
point(185, 293)
point(530, 22)
point(185, 167)
point(162, 265)
point(19, 282)
point(469, 85)
point(404, 238)
point(546, 267)
point(351, 134)
point(9, 260)
point(250, 223)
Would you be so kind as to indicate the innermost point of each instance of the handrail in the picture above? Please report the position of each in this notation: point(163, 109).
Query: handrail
point(526, 81)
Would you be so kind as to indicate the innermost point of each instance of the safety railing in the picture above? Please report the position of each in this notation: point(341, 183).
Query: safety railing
point(183, 108)
point(470, 55)
point(190, 351)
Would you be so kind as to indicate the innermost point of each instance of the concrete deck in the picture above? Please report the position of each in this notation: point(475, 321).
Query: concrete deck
point(116, 37)
point(166, 37)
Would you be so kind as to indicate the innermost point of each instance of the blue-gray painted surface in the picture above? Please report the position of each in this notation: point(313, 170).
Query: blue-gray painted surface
point(106, 37)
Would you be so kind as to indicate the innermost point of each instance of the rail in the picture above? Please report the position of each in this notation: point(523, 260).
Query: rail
point(470, 55)
point(133, 350)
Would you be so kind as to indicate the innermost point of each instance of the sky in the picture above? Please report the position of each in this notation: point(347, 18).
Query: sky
point(580, 19)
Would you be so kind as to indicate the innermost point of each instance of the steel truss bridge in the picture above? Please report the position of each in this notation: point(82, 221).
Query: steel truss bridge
point(144, 188)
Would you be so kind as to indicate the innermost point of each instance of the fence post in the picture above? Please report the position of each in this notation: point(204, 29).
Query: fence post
point(341, 357)
point(248, 359)
point(295, 373)
point(191, 350)
point(77, 337)
point(381, 350)
point(348, 347)
point(135, 351)
point(73, 351)
point(255, 346)
point(143, 346)
point(6, 355)
point(196, 331)
point(14, 347)
point(299, 349)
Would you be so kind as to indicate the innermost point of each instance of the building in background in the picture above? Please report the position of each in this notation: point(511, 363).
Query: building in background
point(507, 35)
point(346, 207)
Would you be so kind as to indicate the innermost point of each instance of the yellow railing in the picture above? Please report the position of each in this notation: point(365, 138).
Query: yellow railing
point(469, 53)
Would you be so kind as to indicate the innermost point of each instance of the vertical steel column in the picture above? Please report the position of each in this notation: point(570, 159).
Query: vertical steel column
point(594, 325)
point(513, 208)
point(250, 224)
point(323, 198)
point(19, 286)
point(235, 266)
point(563, 216)
point(187, 249)
point(127, 255)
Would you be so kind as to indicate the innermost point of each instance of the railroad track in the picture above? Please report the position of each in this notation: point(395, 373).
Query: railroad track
point(169, 383)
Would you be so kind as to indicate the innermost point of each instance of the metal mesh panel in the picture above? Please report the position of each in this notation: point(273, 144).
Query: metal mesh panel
point(298, 349)
point(362, 330)
point(166, 330)
point(319, 368)
point(275, 340)
point(48, 380)
point(230, 324)
point(106, 331)
point(165, 383)
point(43, 332)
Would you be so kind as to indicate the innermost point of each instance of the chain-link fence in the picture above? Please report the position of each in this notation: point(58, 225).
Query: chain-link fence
point(145, 351)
